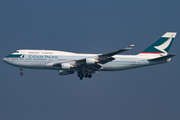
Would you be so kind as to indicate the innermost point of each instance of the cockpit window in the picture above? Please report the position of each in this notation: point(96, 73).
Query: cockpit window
point(16, 51)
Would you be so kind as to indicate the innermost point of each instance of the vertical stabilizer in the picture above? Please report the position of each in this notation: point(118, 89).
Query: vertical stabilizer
point(161, 46)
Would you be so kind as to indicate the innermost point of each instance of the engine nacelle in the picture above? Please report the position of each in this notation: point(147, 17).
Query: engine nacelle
point(90, 61)
point(62, 72)
point(66, 66)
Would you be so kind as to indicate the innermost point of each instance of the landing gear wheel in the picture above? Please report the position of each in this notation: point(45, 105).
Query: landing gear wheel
point(21, 73)
point(80, 76)
point(89, 75)
point(86, 75)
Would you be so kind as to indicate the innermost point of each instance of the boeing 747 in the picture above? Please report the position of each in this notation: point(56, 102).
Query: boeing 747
point(87, 64)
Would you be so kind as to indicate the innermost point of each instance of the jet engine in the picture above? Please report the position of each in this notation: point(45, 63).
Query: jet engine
point(90, 61)
point(62, 72)
point(66, 66)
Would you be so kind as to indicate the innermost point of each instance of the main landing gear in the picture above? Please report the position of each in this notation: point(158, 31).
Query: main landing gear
point(21, 73)
point(81, 75)
point(88, 75)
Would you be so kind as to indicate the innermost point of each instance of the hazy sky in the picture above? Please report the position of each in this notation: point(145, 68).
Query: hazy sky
point(95, 26)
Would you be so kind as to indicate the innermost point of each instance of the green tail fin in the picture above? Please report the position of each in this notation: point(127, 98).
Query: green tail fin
point(162, 45)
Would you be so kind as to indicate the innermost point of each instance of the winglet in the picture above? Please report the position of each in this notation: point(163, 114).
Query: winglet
point(129, 47)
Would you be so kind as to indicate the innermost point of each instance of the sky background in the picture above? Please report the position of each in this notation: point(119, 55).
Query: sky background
point(95, 26)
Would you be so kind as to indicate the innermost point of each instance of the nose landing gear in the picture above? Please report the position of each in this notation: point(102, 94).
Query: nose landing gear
point(21, 73)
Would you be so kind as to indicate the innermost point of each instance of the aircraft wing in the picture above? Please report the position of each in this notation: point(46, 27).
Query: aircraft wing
point(104, 58)
point(115, 52)
point(107, 57)
point(91, 63)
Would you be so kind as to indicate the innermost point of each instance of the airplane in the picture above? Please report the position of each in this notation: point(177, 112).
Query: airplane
point(87, 64)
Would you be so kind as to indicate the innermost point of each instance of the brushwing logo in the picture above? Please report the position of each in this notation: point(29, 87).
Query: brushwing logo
point(22, 56)
point(163, 46)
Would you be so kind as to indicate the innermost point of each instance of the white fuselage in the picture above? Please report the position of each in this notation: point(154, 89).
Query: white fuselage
point(44, 59)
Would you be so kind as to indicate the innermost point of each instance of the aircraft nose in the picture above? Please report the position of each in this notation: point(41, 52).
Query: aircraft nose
point(4, 59)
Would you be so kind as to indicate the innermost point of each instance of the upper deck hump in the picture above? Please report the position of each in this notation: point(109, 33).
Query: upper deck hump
point(43, 52)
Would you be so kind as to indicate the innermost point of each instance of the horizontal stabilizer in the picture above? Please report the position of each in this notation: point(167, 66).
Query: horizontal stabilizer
point(162, 58)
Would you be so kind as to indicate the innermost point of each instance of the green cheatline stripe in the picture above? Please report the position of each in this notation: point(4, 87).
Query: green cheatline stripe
point(15, 55)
